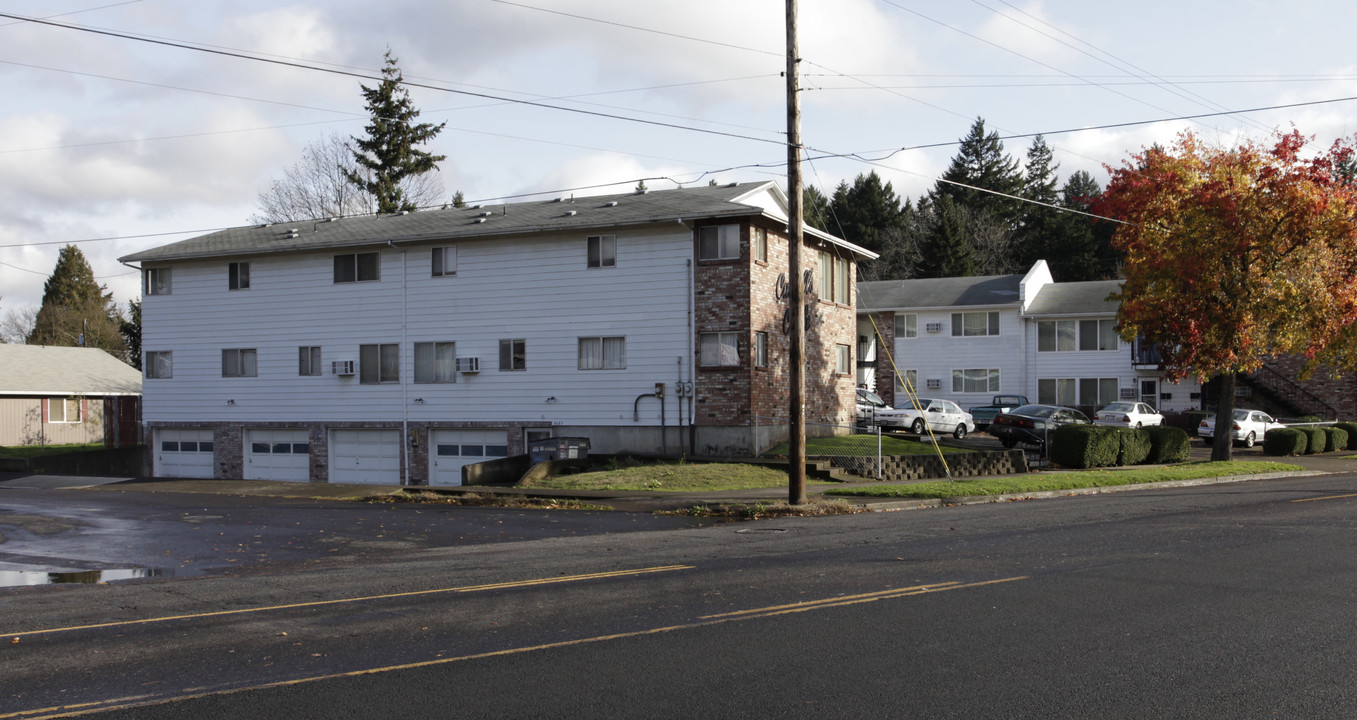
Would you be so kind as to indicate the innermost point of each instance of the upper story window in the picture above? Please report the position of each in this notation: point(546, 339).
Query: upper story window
point(1083, 335)
point(718, 349)
point(435, 362)
point(513, 354)
point(760, 236)
point(718, 242)
point(444, 261)
point(308, 360)
point(238, 276)
point(602, 251)
point(975, 324)
point(157, 281)
point(159, 364)
point(834, 278)
point(1098, 334)
point(239, 363)
point(1055, 336)
point(603, 353)
point(358, 267)
point(379, 364)
point(907, 326)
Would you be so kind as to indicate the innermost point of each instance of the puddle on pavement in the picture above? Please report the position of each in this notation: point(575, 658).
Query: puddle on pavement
point(20, 578)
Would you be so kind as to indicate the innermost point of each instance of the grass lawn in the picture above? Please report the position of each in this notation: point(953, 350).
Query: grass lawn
point(28, 451)
point(671, 476)
point(1037, 482)
point(865, 445)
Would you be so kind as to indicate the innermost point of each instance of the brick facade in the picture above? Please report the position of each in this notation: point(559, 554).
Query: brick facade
point(885, 348)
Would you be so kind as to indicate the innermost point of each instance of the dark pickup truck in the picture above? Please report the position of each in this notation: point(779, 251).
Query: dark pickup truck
point(985, 414)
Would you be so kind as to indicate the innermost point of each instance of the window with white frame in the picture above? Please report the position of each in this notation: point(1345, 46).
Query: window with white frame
point(907, 325)
point(602, 251)
point(238, 276)
point(444, 261)
point(239, 362)
point(975, 324)
point(1098, 391)
point(975, 380)
point(719, 349)
point(760, 243)
point(1055, 336)
point(379, 364)
point(63, 410)
point(308, 360)
point(910, 377)
point(760, 349)
point(435, 362)
point(602, 353)
point(159, 364)
point(718, 242)
point(513, 354)
point(358, 267)
point(157, 281)
point(1056, 391)
point(843, 359)
point(1098, 334)
point(834, 278)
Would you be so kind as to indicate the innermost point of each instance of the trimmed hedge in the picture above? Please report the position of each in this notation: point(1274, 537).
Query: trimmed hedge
point(1085, 446)
point(1351, 428)
point(1286, 441)
point(1337, 439)
point(1135, 446)
point(1318, 440)
point(1167, 444)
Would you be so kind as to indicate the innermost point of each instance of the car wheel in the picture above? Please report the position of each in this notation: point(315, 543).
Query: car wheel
point(918, 427)
point(1140, 425)
point(1248, 440)
point(1009, 443)
point(960, 432)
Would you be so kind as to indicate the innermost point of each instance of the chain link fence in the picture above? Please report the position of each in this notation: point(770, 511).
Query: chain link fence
point(822, 440)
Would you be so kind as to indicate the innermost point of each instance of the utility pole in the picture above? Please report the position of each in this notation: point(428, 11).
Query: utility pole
point(796, 355)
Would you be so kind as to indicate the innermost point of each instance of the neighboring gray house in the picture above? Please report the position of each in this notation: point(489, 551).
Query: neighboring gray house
point(66, 395)
point(966, 339)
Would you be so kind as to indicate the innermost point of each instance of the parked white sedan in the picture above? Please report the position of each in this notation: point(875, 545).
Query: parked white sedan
point(941, 416)
point(1249, 427)
point(1128, 414)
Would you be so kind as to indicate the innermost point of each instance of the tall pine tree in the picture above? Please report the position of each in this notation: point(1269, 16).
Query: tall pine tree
point(1040, 224)
point(979, 165)
point(389, 153)
point(77, 310)
point(946, 248)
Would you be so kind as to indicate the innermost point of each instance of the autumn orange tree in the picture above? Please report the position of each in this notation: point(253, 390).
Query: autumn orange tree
point(1236, 255)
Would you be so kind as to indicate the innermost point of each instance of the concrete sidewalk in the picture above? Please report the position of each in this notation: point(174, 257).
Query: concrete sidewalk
point(633, 501)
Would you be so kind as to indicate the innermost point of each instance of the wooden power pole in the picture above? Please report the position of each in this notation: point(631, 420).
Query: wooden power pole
point(796, 356)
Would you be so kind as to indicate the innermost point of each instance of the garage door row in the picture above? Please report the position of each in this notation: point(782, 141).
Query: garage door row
point(356, 456)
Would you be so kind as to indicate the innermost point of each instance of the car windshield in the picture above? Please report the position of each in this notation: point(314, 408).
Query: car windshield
point(1034, 410)
point(1120, 407)
point(870, 398)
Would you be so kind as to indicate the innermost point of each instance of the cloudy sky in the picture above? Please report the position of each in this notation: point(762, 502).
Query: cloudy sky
point(119, 144)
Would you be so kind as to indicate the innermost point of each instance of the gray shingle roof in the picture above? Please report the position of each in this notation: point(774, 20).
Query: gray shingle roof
point(939, 292)
point(584, 213)
point(1076, 298)
point(64, 371)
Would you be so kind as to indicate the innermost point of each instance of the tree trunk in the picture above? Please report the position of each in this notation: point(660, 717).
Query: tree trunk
point(1223, 445)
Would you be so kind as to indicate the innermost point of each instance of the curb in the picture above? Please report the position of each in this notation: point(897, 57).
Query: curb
point(924, 503)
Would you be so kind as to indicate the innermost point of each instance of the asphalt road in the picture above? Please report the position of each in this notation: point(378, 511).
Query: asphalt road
point(1230, 601)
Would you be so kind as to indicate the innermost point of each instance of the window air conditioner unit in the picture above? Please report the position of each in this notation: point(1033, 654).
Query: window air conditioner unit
point(1243, 391)
point(1128, 393)
point(934, 384)
point(933, 327)
point(342, 367)
point(468, 365)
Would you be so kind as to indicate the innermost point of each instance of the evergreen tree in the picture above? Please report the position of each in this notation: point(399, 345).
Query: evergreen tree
point(131, 330)
point(980, 162)
point(865, 211)
point(946, 248)
point(1040, 225)
point(389, 153)
point(76, 310)
point(1083, 250)
point(814, 208)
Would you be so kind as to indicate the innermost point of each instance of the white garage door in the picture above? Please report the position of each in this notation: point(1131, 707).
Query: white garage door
point(453, 449)
point(183, 452)
point(370, 457)
point(277, 455)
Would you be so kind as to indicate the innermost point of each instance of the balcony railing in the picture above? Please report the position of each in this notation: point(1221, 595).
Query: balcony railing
point(1145, 353)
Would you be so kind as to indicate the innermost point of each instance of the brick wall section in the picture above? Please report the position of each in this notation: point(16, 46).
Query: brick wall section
point(1338, 392)
point(740, 296)
point(885, 350)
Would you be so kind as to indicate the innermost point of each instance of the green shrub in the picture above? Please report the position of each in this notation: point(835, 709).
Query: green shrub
point(1352, 434)
point(1285, 441)
point(1135, 445)
point(1317, 440)
point(1337, 439)
point(1168, 444)
point(1084, 446)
